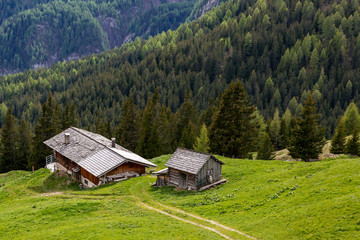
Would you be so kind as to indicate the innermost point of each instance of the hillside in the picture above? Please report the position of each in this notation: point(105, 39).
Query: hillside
point(264, 199)
point(279, 50)
point(38, 33)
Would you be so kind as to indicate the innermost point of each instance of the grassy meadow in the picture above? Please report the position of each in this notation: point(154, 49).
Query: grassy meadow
point(265, 199)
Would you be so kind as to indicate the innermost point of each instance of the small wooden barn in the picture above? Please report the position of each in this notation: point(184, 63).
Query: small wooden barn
point(190, 170)
point(93, 159)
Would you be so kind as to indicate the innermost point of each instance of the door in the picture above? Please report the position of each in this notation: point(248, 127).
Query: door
point(183, 178)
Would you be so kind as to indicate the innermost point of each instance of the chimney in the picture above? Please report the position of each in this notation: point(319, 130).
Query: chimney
point(67, 138)
point(113, 142)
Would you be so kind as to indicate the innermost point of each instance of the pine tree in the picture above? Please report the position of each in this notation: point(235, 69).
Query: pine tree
point(9, 143)
point(338, 142)
point(232, 132)
point(149, 144)
point(202, 142)
point(25, 145)
point(352, 145)
point(187, 120)
point(46, 127)
point(127, 131)
point(266, 151)
point(307, 137)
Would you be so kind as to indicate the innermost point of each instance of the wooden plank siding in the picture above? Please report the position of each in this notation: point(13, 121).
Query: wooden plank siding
point(89, 176)
point(128, 167)
point(65, 162)
point(174, 179)
point(211, 164)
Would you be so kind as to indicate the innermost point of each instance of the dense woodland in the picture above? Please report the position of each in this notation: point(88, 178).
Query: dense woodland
point(35, 33)
point(280, 50)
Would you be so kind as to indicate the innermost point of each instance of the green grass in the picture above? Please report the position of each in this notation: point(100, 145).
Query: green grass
point(266, 199)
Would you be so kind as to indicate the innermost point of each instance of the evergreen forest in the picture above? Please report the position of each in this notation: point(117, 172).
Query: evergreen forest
point(282, 57)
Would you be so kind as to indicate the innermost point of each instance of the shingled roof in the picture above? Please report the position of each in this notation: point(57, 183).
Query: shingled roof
point(189, 160)
point(92, 151)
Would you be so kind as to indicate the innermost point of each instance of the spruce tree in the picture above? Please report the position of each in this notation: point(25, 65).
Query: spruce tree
point(127, 131)
point(307, 137)
point(46, 127)
point(232, 132)
point(187, 117)
point(25, 144)
point(202, 142)
point(149, 144)
point(338, 142)
point(9, 143)
point(352, 145)
point(266, 151)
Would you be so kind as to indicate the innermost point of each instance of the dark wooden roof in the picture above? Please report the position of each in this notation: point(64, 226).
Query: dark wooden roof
point(189, 160)
point(92, 151)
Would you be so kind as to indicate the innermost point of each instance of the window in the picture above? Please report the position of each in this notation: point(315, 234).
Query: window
point(86, 182)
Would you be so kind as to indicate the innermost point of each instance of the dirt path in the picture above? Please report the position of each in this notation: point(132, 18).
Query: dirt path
point(184, 220)
point(165, 207)
point(207, 220)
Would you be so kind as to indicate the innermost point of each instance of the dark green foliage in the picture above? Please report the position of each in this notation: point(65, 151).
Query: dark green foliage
point(352, 145)
point(339, 140)
point(277, 63)
point(232, 132)
point(45, 31)
point(307, 137)
point(266, 151)
point(47, 126)
point(127, 131)
point(25, 145)
point(187, 120)
point(149, 144)
point(9, 144)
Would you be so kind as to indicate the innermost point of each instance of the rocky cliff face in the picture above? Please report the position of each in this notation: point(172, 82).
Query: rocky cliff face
point(39, 35)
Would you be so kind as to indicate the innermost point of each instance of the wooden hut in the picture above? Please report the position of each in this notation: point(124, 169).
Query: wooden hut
point(93, 159)
point(191, 170)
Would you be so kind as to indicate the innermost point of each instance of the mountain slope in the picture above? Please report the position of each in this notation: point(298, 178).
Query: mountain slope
point(279, 50)
point(265, 199)
point(39, 33)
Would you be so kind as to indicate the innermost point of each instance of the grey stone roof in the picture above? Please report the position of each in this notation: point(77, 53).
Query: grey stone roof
point(92, 151)
point(189, 160)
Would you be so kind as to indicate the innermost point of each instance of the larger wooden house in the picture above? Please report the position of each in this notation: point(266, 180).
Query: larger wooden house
point(190, 170)
point(93, 159)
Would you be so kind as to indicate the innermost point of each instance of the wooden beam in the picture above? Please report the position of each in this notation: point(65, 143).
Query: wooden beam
point(213, 184)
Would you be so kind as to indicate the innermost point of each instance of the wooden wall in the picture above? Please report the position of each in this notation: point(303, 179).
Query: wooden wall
point(174, 179)
point(65, 162)
point(89, 176)
point(202, 175)
point(128, 167)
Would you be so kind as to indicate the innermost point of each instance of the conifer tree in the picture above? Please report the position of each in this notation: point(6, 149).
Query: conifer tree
point(202, 142)
point(338, 142)
point(127, 131)
point(232, 132)
point(187, 120)
point(149, 144)
point(266, 150)
point(307, 137)
point(47, 126)
point(274, 130)
point(352, 145)
point(351, 118)
point(9, 143)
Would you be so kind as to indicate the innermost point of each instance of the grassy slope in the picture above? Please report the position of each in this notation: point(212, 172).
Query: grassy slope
point(267, 199)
